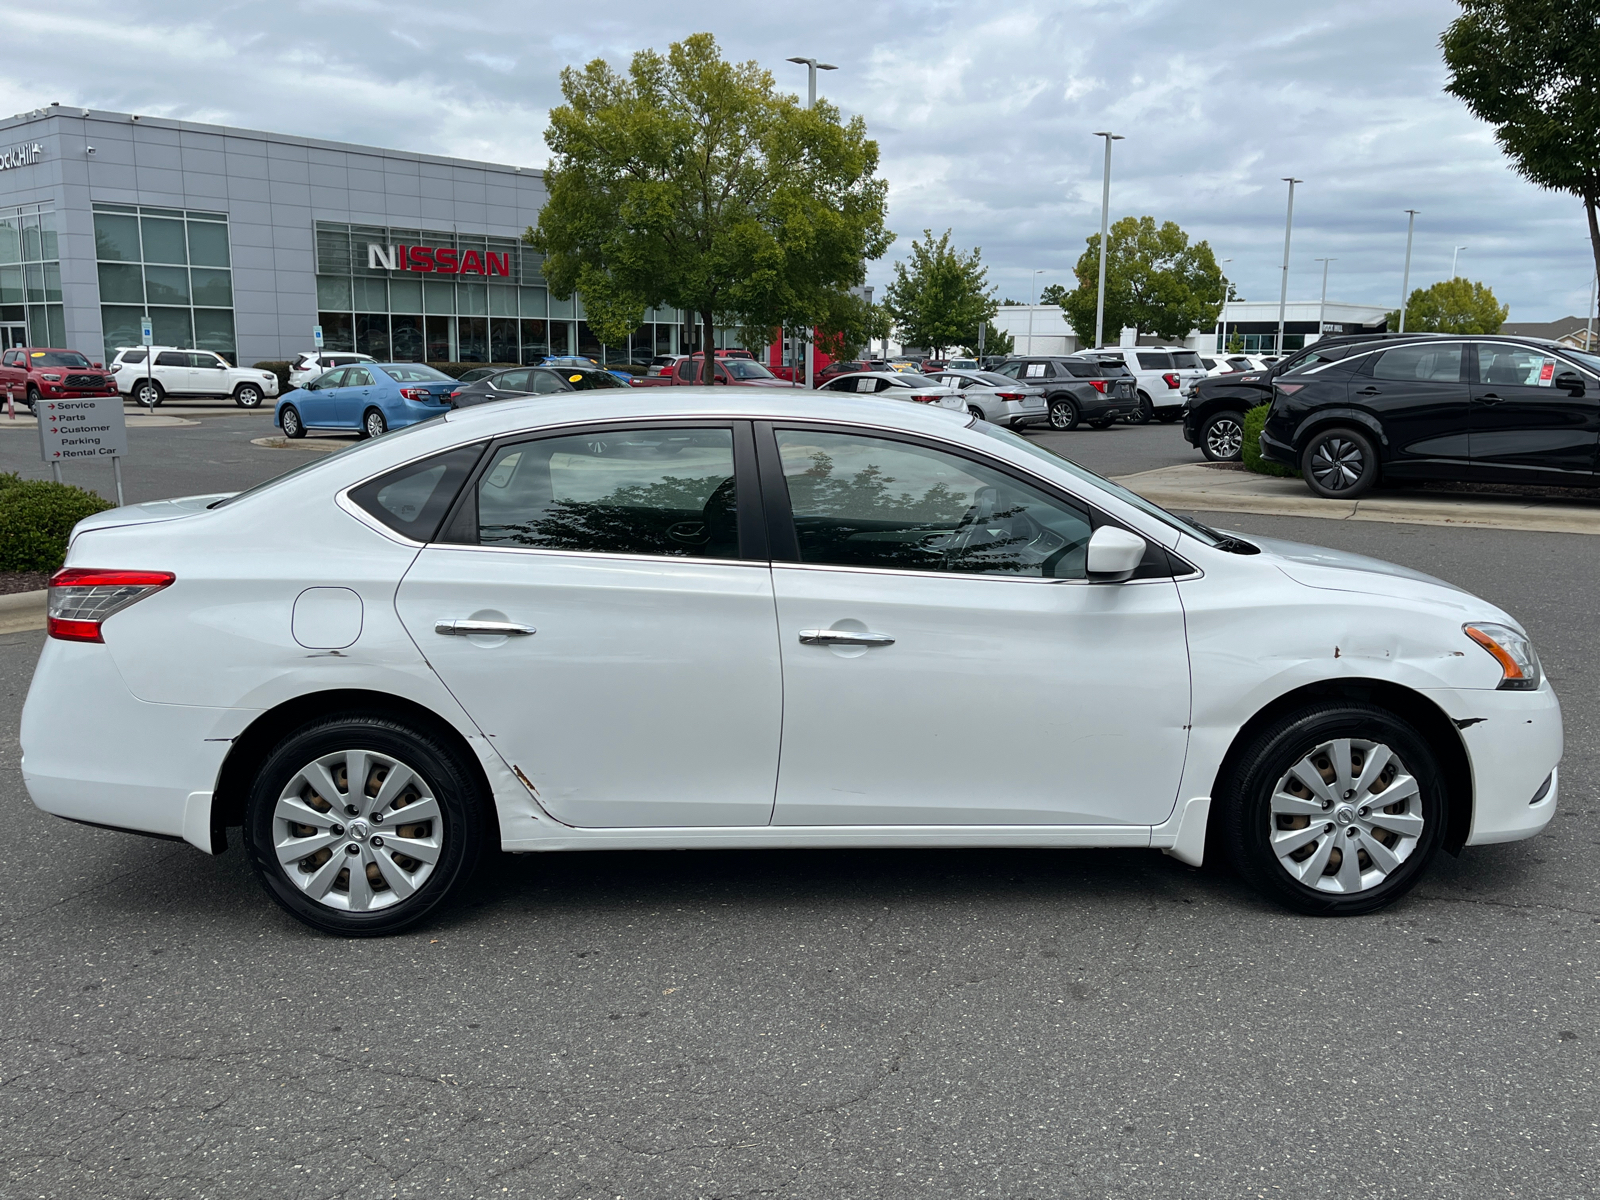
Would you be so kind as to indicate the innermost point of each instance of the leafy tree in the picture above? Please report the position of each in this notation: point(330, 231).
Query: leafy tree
point(939, 300)
point(1531, 68)
point(1054, 293)
point(995, 342)
point(848, 324)
point(1452, 306)
point(692, 182)
point(1156, 281)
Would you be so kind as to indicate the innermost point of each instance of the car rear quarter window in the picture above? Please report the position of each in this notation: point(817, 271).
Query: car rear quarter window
point(413, 499)
point(1426, 363)
point(512, 381)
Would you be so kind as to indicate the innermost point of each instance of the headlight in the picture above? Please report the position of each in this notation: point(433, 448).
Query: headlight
point(1513, 651)
point(51, 378)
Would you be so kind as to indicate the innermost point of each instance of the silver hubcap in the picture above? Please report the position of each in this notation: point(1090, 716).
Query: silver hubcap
point(374, 425)
point(1060, 416)
point(1337, 463)
point(357, 830)
point(1225, 438)
point(290, 421)
point(1345, 816)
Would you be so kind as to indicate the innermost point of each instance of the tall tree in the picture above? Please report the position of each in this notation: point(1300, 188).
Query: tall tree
point(996, 343)
point(1452, 306)
point(1531, 68)
point(693, 182)
point(941, 297)
point(1156, 281)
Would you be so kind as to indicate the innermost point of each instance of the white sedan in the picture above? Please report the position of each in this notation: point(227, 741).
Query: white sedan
point(899, 385)
point(591, 622)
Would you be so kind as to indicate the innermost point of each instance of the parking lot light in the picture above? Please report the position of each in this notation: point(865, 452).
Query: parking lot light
point(1105, 208)
point(1283, 291)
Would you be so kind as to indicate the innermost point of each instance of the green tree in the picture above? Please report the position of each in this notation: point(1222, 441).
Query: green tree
point(996, 342)
point(848, 323)
point(940, 298)
point(692, 182)
point(1054, 293)
point(1531, 68)
point(1452, 306)
point(1156, 281)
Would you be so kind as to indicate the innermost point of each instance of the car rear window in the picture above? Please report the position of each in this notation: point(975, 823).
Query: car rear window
point(413, 499)
point(1111, 368)
point(1185, 359)
point(1151, 361)
point(132, 356)
point(911, 379)
point(414, 373)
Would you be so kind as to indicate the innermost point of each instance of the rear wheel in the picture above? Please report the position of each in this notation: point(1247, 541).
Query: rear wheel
point(1142, 414)
point(373, 424)
point(1063, 414)
point(1339, 463)
point(147, 393)
point(362, 825)
point(1334, 810)
point(976, 412)
point(289, 418)
point(247, 395)
point(1222, 436)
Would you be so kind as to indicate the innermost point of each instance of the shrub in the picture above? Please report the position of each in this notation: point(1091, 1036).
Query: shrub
point(1254, 422)
point(36, 519)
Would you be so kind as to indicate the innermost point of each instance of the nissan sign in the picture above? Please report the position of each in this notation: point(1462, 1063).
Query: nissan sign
point(441, 259)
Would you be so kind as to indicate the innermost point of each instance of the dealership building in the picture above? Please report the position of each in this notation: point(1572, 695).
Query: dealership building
point(242, 242)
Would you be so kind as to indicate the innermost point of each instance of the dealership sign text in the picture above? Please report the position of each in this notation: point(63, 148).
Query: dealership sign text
point(20, 156)
point(436, 258)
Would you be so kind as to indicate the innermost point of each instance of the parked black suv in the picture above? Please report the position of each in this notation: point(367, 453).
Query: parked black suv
point(1077, 388)
point(1489, 408)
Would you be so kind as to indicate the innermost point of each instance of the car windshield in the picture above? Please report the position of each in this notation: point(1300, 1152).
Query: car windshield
point(57, 358)
point(745, 368)
point(1193, 528)
point(414, 373)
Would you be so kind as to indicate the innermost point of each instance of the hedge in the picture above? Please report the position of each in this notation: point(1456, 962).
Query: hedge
point(1254, 422)
point(36, 519)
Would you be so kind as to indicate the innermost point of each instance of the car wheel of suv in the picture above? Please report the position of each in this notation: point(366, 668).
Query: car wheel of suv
point(147, 393)
point(361, 825)
point(293, 426)
point(247, 395)
point(976, 412)
point(1339, 464)
point(1334, 810)
point(1222, 437)
point(373, 425)
point(1142, 414)
point(1063, 415)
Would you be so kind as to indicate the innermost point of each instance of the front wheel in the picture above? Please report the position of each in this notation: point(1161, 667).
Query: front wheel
point(147, 393)
point(33, 398)
point(373, 425)
point(361, 825)
point(1339, 464)
point(247, 395)
point(1222, 437)
point(293, 426)
point(1334, 810)
point(1063, 415)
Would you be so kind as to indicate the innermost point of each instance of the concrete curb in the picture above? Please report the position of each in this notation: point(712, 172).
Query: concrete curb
point(1208, 489)
point(22, 611)
point(135, 420)
point(320, 445)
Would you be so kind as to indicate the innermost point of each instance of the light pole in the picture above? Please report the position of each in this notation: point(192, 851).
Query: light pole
point(1454, 254)
point(1588, 317)
point(1322, 309)
point(1283, 290)
point(1033, 282)
point(1222, 315)
point(1105, 217)
point(812, 66)
point(1405, 280)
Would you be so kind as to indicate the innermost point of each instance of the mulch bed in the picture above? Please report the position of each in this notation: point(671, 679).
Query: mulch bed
point(12, 582)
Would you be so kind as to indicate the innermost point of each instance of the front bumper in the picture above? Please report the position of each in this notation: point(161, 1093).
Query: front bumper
point(1513, 742)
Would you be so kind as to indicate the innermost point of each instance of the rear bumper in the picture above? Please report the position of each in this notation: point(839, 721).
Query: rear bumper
point(1278, 452)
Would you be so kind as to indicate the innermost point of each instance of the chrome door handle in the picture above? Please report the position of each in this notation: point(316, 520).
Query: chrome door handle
point(466, 628)
point(843, 637)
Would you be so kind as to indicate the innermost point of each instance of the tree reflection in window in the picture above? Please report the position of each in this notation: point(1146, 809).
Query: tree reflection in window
point(660, 492)
point(870, 502)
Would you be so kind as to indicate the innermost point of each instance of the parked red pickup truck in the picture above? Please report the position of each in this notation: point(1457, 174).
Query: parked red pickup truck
point(31, 372)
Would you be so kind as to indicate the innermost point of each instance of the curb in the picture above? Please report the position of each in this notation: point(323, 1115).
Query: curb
point(319, 445)
point(1198, 488)
point(22, 611)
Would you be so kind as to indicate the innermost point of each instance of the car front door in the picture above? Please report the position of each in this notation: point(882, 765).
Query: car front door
point(1419, 394)
point(945, 660)
point(1525, 428)
point(637, 683)
point(316, 399)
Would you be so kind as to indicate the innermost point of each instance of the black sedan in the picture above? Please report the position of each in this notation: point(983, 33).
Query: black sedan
point(533, 381)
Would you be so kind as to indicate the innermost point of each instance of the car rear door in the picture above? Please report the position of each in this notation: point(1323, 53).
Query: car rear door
point(359, 392)
point(1419, 395)
point(208, 374)
point(1525, 429)
point(173, 372)
point(636, 683)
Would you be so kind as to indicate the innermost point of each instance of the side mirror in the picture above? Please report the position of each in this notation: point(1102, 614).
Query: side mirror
point(1114, 554)
point(99, 367)
point(1570, 382)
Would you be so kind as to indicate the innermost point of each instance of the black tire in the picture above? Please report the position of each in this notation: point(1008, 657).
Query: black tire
point(1222, 436)
point(1142, 414)
point(147, 393)
point(1063, 414)
point(1102, 423)
point(373, 424)
point(977, 412)
point(293, 426)
point(462, 828)
point(247, 395)
point(1247, 823)
point(1339, 463)
point(33, 398)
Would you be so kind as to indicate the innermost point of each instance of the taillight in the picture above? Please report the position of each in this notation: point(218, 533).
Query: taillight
point(1172, 379)
point(417, 393)
point(81, 598)
point(925, 399)
point(1010, 396)
point(1098, 385)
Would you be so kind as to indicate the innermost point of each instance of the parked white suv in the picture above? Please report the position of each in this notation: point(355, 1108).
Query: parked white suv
point(1162, 373)
point(307, 367)
point(185, 373)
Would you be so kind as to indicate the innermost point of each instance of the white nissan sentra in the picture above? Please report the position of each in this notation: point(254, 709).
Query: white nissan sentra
point(692, 618)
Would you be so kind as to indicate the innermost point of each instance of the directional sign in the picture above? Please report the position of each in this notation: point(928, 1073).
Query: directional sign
point(316, 332)
point(146, 333)
point(73, 430)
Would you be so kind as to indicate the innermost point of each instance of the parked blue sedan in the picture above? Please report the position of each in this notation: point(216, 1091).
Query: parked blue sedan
point(370, 398)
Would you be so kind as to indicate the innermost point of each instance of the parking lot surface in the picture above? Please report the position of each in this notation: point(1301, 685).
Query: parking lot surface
point(1012, 1024)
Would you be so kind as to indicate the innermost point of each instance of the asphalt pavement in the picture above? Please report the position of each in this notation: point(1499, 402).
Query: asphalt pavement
point(1017, 1024)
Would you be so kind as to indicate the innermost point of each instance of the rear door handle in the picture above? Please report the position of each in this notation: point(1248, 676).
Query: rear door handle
point(1491, 398)
point(467, 628)
point(843, 637)
point(1370, 391)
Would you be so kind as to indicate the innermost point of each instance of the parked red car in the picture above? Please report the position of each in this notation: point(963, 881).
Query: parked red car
point(32, 372)
point(735, 367)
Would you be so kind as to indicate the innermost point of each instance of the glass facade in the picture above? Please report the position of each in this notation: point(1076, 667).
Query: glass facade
point(414, 316)
point(171, 263)
point(30, 278)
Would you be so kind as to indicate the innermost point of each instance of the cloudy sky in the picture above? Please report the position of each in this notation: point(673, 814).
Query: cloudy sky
point(984, 112)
